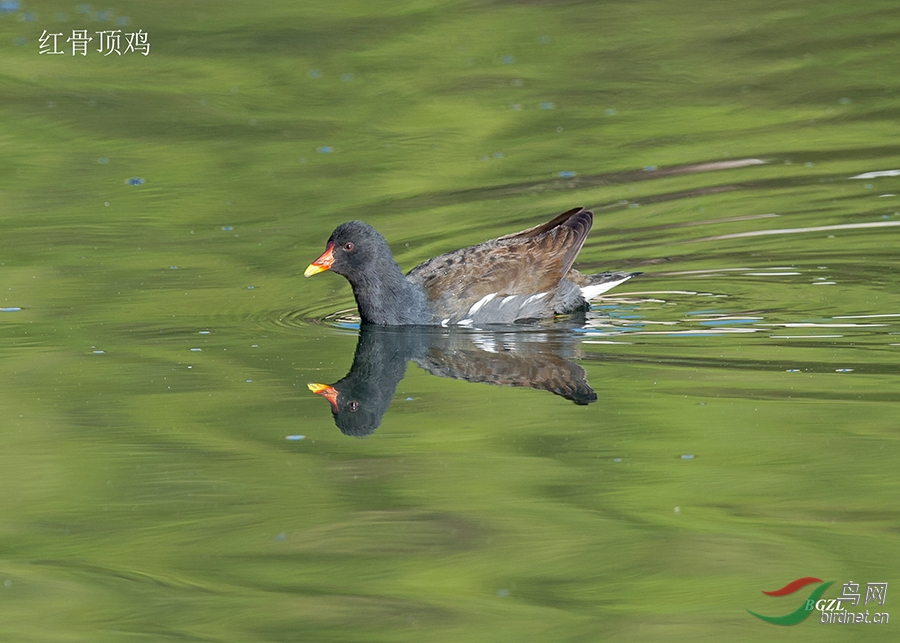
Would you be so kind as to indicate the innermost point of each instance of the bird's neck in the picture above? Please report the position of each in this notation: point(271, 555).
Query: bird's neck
point(385, 297)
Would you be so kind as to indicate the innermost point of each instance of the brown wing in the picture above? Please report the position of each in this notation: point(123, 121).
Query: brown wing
point(527, 262)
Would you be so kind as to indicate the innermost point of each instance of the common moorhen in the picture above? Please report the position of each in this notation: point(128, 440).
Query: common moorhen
point(525, 275)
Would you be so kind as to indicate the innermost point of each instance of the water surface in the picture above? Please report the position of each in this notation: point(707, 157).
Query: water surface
point(167, 475)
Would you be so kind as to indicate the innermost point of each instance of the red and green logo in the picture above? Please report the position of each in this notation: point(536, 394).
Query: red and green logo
point(806, 607)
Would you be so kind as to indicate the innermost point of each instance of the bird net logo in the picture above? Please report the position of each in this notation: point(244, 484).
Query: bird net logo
point(832, 611)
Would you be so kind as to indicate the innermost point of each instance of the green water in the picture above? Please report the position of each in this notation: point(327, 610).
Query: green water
point(166, 474)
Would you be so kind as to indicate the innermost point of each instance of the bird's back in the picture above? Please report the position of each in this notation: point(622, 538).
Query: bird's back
point(504, 279)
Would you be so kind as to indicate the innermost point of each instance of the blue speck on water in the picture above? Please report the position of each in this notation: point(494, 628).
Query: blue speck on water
point(617, 459)
point(103, 16)
point(84, 9)
point(248, 381)
point(687, 456)
point(566, 174)
point(250, 287)
point(29, 16)
point(649, 168)
point(325, 149)
point(21, 42)
point(196, 350)
point(9, 6)
point(102, 160)
point(173, 267)
point(547, 105)
point(123, 21)
point(314, 73)
point(408, 399)
point(294, 437)
point(135, 181)
point(792, 370)
point(611, 111)
point(498, 155)
point(502, 593)
point(10, 309)
point(346, 77)
point(507, 60)
point(204, 332)
point(280, 537)
point(97, 352)
point(843, 370)
point(227, 228)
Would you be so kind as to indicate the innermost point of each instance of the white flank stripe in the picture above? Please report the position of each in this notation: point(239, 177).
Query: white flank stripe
point(481, 302)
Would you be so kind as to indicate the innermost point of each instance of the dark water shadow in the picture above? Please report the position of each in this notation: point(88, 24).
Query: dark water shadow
point(537, 358)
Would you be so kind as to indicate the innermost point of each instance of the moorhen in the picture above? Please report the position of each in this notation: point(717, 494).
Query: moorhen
point(520, 276)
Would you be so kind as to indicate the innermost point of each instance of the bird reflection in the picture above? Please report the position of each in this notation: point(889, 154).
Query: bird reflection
point(536, 358)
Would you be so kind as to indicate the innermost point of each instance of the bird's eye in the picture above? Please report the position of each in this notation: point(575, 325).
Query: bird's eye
point(352, 406)
point(348, 246)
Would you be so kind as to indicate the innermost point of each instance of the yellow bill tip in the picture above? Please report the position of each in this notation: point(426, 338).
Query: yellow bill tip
point(313, 269)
